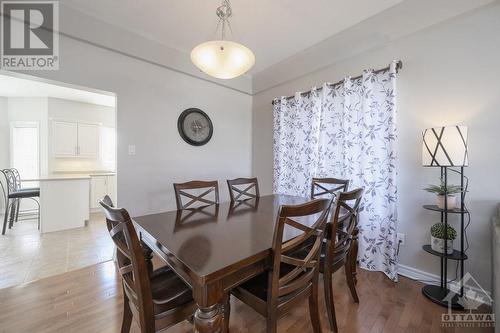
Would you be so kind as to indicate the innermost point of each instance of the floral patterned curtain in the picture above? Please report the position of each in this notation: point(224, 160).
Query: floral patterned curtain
point(345, 131)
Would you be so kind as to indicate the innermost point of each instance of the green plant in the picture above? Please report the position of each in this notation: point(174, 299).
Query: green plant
point(437, 231)
point(441, 189)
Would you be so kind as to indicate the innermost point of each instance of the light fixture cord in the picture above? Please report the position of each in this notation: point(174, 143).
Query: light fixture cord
point(223, 12)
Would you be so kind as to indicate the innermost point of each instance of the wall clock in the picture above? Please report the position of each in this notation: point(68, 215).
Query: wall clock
point(195, 127)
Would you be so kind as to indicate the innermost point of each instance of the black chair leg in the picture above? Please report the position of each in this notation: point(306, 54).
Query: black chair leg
point(6, 217)
point(12, 213)
point(38, 202)
point(18, 204)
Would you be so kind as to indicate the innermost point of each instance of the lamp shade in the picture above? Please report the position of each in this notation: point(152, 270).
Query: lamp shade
point(223, 59)
point(445, 146)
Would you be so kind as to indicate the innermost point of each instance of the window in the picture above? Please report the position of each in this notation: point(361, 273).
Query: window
point(108, 148)
point(24, 150)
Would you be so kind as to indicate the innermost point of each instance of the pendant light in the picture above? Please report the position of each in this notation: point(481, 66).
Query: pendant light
point(223, 59)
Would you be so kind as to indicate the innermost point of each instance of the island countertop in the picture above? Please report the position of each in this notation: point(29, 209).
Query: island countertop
point(95, 173)
point(53, 177)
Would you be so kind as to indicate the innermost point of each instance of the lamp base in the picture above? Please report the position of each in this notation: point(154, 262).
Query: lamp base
point(442, 296)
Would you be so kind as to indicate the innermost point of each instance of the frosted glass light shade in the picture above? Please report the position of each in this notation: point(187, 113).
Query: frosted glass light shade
point(223, 59)
point(445, 146)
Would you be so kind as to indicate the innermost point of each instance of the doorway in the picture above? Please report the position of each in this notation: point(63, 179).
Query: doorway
point(61, 141)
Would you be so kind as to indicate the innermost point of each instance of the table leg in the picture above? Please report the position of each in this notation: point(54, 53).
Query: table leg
point(208, 319)
point(148, 256)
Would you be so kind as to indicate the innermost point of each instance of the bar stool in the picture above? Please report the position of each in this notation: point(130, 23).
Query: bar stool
point(13, 193)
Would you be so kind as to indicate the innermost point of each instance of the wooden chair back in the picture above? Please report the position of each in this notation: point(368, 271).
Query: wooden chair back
point(243, 188)
point(301, 270)
point(328, 186)
point(131, 263)
point(203, 198)
point(344, 224)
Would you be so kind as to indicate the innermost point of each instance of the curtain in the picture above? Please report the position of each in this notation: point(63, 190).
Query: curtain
point(345, 131)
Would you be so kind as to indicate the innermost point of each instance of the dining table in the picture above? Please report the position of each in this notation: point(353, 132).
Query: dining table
point(217, 247)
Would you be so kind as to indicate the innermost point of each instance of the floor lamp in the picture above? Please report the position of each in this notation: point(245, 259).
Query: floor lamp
point(446, 148)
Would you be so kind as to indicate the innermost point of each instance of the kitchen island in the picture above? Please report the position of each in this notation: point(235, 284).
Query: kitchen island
point(64, 201)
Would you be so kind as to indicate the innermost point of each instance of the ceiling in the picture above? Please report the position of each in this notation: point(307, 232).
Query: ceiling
point(274, 29)
point(11, 86)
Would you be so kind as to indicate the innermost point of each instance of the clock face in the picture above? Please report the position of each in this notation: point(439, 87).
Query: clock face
point(195, 127)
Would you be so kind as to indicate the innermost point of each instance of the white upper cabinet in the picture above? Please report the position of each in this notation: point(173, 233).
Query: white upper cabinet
point(65, 139)
point(71, 139)
point(88, 140)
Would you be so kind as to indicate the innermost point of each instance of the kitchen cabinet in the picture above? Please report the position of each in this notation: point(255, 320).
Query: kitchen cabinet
point(65, 140)
point(88, 140)
point(72, 139)
point(101, 185)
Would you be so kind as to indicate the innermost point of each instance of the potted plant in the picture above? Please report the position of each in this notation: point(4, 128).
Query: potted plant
point(438, 236)
point(440, 190)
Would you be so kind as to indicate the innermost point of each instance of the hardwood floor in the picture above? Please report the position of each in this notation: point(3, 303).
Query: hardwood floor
point(90, 300)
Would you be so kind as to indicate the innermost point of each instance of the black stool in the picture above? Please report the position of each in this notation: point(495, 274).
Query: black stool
point(13, 194)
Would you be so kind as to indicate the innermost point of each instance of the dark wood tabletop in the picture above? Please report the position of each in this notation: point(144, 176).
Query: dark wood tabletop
point(217, 247)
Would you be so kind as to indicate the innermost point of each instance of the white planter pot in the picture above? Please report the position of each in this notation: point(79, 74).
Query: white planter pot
point(452, 201)
point(437, 244)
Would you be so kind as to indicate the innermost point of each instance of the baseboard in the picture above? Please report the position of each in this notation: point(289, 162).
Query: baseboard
point(429, 278)
point(416, 274)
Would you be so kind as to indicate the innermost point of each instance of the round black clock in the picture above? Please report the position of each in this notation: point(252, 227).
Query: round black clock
point(195, 127)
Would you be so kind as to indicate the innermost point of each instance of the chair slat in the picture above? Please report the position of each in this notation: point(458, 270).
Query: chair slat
point(330, 186)
point(297, 225)
point(238, 194)
point(181, 190)
point(297, 284)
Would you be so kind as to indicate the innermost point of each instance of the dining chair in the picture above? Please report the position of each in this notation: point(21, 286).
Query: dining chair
point(341, 248)
point(200, 192)
point(147, 252)
point(328, 186)
point(156, 300)
point(13, 193)
point(243, 188)
point(19, 187)
point(291, 279)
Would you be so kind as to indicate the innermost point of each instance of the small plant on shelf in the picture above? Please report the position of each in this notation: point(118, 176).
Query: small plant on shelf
point(438, 234)
point(440, 191)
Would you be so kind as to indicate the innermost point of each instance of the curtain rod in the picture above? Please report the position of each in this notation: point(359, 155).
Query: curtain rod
point(399, 65)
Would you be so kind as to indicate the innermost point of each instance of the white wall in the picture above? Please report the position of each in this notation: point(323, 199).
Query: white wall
point(66, 109)
point(4, 145)
point(4, 134)
point(62, 109)
point(451, 75)
point(149, 101)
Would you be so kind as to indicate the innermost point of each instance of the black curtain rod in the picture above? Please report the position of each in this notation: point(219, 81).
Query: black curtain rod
point(399, 65)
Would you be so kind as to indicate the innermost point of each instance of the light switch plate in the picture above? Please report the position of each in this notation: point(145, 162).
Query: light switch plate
point(131, 149)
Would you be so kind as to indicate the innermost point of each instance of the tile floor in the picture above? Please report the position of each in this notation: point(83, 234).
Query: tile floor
point(26, 255)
